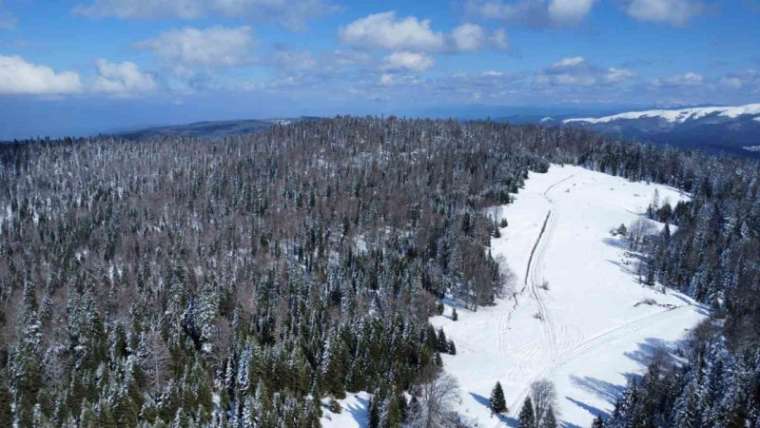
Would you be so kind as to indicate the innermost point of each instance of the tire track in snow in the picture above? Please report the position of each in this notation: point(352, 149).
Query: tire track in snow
point(505, 320)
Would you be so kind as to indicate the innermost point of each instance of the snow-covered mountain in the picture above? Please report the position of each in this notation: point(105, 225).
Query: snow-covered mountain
point(726, 128)
point(677, 116)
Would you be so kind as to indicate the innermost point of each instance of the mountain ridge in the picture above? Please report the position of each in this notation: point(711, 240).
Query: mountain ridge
point(718, 129)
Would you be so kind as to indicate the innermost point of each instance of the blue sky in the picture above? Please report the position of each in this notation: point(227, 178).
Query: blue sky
point(85, 66)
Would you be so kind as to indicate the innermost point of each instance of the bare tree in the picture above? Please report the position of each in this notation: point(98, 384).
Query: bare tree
point(436, 398)
point(544, 398)
point(639, 229)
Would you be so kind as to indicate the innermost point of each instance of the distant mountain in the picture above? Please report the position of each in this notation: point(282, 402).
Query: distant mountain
point(210, 129)
point(734, 129)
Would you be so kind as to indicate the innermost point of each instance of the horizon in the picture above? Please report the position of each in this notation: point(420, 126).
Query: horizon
point(84, 67)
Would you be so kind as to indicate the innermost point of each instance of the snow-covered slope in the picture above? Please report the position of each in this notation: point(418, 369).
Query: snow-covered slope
point(675, 116)
point(595, 329)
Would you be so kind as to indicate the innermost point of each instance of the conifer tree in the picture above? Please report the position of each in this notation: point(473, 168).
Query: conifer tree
point(527, 418)
point(27, 364)
point(497, 401)
point(442, 345)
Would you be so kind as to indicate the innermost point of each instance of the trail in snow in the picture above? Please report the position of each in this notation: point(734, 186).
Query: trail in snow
point(535, 282)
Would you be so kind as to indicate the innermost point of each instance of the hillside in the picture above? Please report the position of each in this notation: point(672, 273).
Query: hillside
point(209, 129)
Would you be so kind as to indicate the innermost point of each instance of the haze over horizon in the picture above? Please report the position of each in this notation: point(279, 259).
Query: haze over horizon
point(86, 66)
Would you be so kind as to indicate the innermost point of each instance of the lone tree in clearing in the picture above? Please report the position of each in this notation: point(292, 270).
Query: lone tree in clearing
point(497, 402)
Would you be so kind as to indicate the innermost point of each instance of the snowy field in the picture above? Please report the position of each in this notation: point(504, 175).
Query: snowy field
point(595, 330)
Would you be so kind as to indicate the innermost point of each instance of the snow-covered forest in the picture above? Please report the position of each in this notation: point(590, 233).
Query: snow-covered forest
point(256, 280)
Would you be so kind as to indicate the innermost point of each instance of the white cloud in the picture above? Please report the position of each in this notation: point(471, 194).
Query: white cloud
point(291, 13)
point(492, 73)
point(681, 80)
point(576, 71)
point(212, 47)
point(122, 79)
point(468, 37)
point(569, 11)
point(386, 79)
point(142, 9)
point(20, 77)
point(538, 13)
point(411, 61)
point(384, 30)
point(748, 80)
point(617, 75)
point(570, 62)
point(412, 39)
point(675, 12)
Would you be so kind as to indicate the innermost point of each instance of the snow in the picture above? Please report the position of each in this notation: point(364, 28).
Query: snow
point(675, 116)
point(353, 414)
point(596, 328)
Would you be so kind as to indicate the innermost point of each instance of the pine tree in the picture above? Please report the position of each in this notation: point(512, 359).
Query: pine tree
point(27, 363)
point(497, 401)
point(526, 419)
point(373, 419)
point(442, 345)
point(598, 422)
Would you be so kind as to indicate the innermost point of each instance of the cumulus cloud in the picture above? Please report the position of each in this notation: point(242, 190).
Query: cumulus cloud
point(538, 13)
point(569, 11)
point(674, 12)
point(18, 76)
point(468, 37)
point(576, 71)
point(210, 47)
point(384, 30)
point(122, 79)
point(411, 61)
point(410, 34)
point(291, 13)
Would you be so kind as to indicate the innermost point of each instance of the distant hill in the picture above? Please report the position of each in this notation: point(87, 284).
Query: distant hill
point(734, 129)
point(209, 129)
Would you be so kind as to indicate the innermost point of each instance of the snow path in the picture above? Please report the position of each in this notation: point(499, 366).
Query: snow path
point(585, 332)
